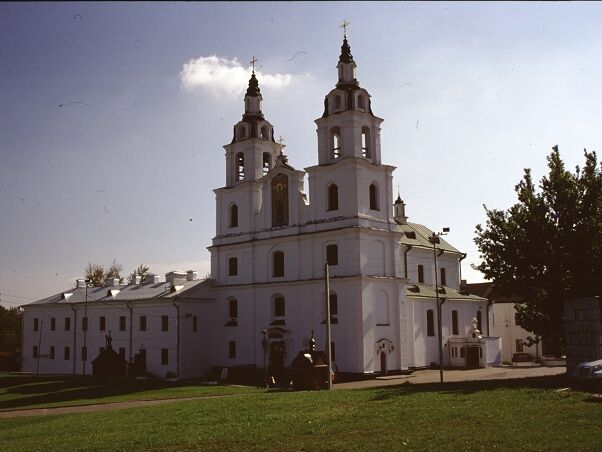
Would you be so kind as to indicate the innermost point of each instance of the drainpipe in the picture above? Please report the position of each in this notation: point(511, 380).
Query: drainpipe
point(489, 304)
point(462, 257)
point(127, 303)
point(178, 339)
point(22, 337)
point(74, 336)
point(405, 259)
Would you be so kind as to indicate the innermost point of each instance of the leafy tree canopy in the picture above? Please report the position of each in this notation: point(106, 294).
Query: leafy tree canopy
point(10, 329)
point(548, 246)
point(141, 271)
point(98, 274)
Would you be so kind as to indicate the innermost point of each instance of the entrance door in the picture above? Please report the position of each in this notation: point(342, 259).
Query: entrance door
point(383, 363)
point(276, 359)
point(472, 357)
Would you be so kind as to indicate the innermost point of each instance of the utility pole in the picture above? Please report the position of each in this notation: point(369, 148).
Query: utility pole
point(434, 239)
point(328, 332)
point(85, 322)
point(39, 348)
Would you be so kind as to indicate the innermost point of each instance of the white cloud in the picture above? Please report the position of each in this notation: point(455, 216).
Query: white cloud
point(220, 75)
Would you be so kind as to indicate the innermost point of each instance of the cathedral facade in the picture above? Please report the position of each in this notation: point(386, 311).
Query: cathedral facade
point(266, 295)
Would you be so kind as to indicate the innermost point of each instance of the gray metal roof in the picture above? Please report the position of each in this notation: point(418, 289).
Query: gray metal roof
point(426, 291)
point(132, 292)
point(422, 234)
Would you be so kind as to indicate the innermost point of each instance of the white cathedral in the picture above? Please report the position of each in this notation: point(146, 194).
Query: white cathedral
point(266, 294)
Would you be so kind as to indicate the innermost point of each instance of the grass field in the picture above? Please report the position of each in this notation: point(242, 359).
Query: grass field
point(503, 415)
point(17, 392)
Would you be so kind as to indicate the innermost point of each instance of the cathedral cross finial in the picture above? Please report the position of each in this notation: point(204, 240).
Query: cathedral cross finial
point(253, 61)
point(344, 27)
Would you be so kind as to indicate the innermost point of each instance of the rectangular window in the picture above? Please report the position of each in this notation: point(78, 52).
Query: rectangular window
point(279, 307)
point(443, 277)
point(430, 323)
point(420, 273)
point(164, 323)
point(164, 357)
point(278, 264)
point(455, 322)
point(122, 352)
point(84, 353)
point(142, 355)
point(332, 350)
point(35, 351)
point(194, 323)
point(66, 353)
point(52, 324)
point(519, 346)
point(334, 308)
point(462, 352)
point(122, 323)
point(332, 254)
point(67, 323)
point(142, 323)
point(52, 352)
point(84, 323)
point(102, 323)
point(232, 266)
point(232, 349)
point(233, 309)
point(35, 324)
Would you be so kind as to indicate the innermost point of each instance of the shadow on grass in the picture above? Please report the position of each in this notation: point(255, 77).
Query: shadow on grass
point(471, 387)
point(36, 391)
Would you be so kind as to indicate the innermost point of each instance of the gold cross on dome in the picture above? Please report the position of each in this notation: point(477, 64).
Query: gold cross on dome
point(344, 27)
point(253, 61)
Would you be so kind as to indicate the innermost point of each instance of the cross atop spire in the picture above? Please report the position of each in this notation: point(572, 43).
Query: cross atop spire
point(344, 27)
point(253, 61)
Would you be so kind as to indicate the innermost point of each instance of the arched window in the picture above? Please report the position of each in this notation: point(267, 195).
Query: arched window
point(232, 266)
point(242, 133)
point(374, 197)
point(333, 197)
point(278, 263)
point(430, 323)
point(479, 320)
point(233, 216)
point(332, 254)
point(240, 166)
point(279, 307)
point(335, 142)
point(280, 200)
point(443, 277)
point(366, 142)
point(337, 102)
point(233, 309)
point(455, 322)
point(361, 102)
point(265, 134)
point(267, 162)
point(421, 273)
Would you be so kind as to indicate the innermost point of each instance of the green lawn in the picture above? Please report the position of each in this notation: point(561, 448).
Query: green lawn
point(19, 391)
point(501, 415)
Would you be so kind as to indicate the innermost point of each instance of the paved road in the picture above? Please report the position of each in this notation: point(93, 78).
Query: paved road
point(423, 376)
point(432, 376)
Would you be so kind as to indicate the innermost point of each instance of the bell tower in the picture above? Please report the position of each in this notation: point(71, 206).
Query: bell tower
point(348, 128)
point(253, 151)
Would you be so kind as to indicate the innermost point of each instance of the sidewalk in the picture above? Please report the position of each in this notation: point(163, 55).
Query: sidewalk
point(432, 376)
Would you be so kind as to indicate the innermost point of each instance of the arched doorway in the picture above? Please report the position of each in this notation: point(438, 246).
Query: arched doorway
point(383, 362)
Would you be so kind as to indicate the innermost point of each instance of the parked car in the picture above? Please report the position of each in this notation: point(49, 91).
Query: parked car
point(589, 374)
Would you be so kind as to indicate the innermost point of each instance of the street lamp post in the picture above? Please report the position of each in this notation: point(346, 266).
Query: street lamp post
point(85, 322)
point(434, 239)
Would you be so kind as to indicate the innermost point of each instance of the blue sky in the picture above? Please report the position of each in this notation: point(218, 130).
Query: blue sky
point(113, 116)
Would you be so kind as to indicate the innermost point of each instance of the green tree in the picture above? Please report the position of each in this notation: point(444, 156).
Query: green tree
point(548, 246)
point(141, 271)
point(10, 329)
point(97, 274)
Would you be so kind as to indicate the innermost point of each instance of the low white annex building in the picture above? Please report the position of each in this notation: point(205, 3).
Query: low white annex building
point(266, 296)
